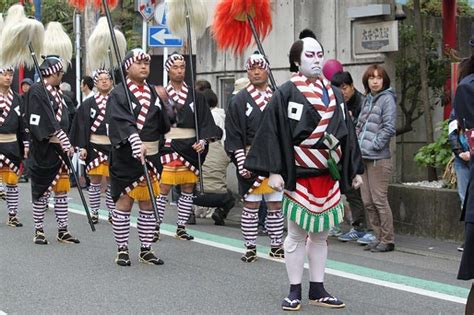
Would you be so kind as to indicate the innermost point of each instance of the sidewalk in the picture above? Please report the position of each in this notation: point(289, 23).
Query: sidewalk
point(404, 243)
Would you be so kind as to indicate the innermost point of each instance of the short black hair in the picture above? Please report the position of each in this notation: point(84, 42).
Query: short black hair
point(87, 80)
point(202, 85)
point(211, 98)
point(341, 77)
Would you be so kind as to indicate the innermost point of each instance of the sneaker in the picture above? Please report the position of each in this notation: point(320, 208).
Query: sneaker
point(40, 238)
point(277, 252)
point(335, 231)
point(382, 248)
point(218, 217)
point(65, 237)
point(181, 234)
point(123, 258)
point(352, 235)
point(327, 301)
point(95, 218)
point(291, 305)
point(461, 248)
point(367, 238)
point(13, 221)
point(148, 257)
point(250, 255)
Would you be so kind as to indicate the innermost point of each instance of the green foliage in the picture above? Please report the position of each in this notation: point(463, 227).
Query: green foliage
point(435, 7)
point(438, 153)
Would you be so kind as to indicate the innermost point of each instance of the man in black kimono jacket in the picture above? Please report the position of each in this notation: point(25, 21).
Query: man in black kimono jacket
point(89, 134)
point(13, 142)
point(242, 121)
point(135, 140)
point(179, 154)
point(47, 118)
point(307, 143)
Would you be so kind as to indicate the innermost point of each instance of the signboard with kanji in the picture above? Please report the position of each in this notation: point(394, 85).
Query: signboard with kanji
point(375, 37)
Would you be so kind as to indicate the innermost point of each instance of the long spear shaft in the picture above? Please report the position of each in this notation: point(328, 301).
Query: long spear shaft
point(260, 48)
point(193, 93)
point(109, 52)
point(73, 170)
point(124, 83)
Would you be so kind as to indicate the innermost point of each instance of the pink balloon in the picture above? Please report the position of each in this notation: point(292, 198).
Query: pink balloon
point(330, 67)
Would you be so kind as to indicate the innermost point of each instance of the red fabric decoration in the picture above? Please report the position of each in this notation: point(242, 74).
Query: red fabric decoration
point(97, 4)
point(230, 27)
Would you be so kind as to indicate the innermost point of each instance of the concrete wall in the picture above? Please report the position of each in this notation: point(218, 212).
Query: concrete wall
point(426, 212)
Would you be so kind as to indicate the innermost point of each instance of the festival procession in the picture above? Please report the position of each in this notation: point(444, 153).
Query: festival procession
point(262, 133)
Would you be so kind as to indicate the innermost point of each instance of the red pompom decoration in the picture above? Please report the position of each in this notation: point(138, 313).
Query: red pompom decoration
point(97, 4)
point(230, 27)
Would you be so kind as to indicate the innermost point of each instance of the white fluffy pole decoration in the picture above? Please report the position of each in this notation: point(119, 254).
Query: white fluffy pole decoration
point(18, 32)
point(1, 23)
point(176, 17)
point(57, 42)
point(100, 42)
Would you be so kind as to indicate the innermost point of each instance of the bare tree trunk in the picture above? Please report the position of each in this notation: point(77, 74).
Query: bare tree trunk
point(425, 97)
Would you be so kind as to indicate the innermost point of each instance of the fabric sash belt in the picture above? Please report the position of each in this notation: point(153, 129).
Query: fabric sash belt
point(181, 133)
point(100, 139)
point(151, 147)
point(7, 137)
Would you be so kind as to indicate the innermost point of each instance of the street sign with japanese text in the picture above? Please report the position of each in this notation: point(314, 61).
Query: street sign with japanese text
point(375, 37)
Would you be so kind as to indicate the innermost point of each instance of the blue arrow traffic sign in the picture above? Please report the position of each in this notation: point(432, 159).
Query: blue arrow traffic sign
point(160, 36)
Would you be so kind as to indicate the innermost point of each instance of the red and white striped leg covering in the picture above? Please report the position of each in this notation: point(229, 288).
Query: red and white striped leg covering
point(121, 227)
point(39, 208)
point(12, 199)
point(94, 198)
point(249, 226)
point(275, 224)
point(146, 227)
point(185, 208)
point(60, 209)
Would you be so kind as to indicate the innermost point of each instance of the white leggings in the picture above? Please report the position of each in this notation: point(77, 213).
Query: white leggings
point(296, 243)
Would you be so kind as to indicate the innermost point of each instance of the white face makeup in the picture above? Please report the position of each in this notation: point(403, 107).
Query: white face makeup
point(312, 58)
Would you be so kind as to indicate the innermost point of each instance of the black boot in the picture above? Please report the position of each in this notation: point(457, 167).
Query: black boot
point(148, 257)
point(123, 258)
point(250, 255)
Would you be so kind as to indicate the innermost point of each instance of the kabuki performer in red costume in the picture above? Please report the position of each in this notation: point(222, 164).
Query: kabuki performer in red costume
point(135, 140)
point(242, 121)
point(89, 134)
point(307, 145)
point(14, 144)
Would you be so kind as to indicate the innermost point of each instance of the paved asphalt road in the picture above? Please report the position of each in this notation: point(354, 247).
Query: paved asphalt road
point(205, 276)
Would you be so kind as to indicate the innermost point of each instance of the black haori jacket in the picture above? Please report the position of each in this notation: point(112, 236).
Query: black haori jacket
point(14, 124)
point(46, 158)
point(185, 119)
point(242, 121)
point(124, 168)
point(80, 132)
point(288, 120)
point(465, 115)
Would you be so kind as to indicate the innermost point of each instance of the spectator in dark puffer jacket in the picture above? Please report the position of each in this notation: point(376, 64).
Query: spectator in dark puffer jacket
point(375, 129)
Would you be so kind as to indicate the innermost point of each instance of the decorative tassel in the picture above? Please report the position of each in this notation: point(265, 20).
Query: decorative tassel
point(230, 27)
point(57, 42)
point(176, 17)
point(18, 32)
point(100, 42)
point(96, 4)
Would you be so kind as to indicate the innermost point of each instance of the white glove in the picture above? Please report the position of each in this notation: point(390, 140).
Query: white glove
point(357, 182)
point(276, 182)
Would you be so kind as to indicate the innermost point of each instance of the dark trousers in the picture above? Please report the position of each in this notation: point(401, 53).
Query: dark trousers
point(224, 201)
point(357, 209)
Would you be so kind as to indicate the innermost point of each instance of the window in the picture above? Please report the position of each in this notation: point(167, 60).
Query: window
point(226, 87)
